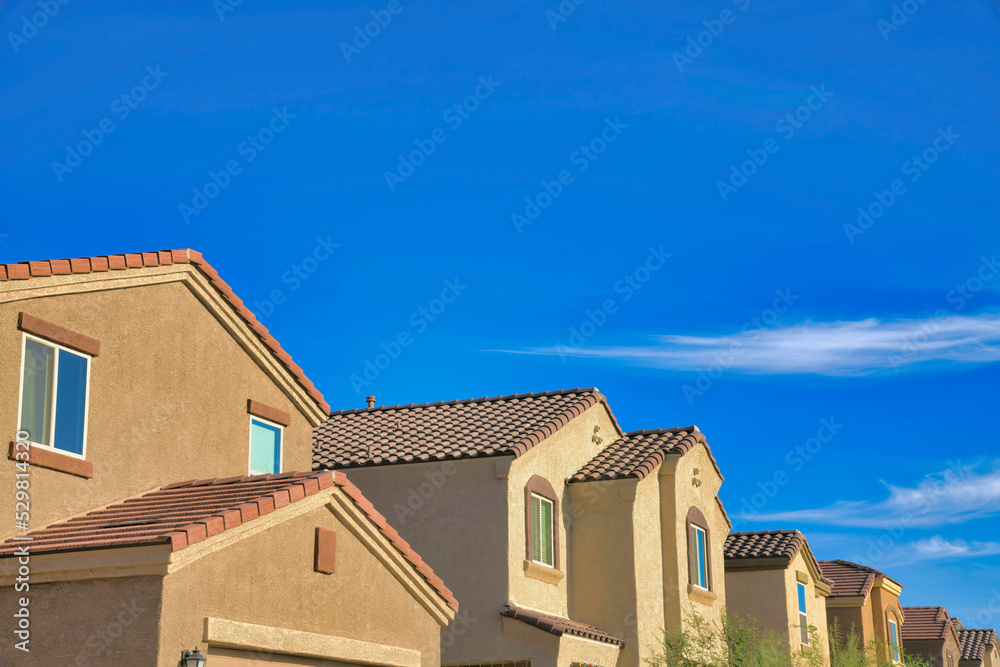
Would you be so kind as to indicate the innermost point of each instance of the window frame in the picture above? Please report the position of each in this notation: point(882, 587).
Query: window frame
point(696, 520)
point(802, 600)
point(281, 445)
point(552, 529)
point(55, 393)
point(894, 647)
point(539, 486)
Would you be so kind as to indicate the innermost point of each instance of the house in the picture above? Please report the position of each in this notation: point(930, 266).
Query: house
point(980, 647)
point(564, 538)
point(930, 633)
point(773, 577)
point(122, 375)
point(867, 601)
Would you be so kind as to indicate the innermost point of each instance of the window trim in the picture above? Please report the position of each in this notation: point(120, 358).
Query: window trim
point(894, 645)
point(55, 394)
point(541, 487)
point(695, 519)
point(802, 600)
point(281, 445)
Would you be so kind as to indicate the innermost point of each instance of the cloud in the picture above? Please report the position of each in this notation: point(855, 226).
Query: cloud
point(954, 496)
point(825, 348)
point(937, 547)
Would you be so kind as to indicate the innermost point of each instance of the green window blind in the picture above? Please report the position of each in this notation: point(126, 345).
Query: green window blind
point(541, 531)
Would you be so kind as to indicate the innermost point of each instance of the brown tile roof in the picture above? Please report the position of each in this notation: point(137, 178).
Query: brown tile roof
point(470, 428)
point(189, 512)
point(558, 625)
point(921, 623)
point(638, 453)
point(974, 641)
point(850, 579)
point(764, 544)
point(45, 268)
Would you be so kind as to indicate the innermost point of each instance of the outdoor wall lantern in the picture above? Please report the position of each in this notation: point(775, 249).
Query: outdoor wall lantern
point(189, 659)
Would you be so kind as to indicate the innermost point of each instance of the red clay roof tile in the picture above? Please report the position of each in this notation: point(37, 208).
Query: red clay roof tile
point(975, 641)
point(638, 453)
point(47, 268)
point(558, 625)
point(475, 427)
point(920, 623)
point(769, 544)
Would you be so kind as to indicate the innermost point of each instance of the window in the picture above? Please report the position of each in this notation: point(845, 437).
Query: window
point(894, 637)
point(699, 556)
point(803, 615)
point(54, 383)
point(265, 447)
point(542, 530)
point(950, 663)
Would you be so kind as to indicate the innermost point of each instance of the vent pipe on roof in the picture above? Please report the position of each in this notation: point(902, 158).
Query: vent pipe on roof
point(370, 400)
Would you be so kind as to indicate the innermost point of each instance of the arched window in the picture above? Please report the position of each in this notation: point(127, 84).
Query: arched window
point(541, 512)
point(893, 635)
point(699, 549)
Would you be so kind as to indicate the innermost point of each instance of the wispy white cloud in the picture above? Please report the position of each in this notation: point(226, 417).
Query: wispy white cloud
point(954, 496)
point(937, 547)
point(825, 348)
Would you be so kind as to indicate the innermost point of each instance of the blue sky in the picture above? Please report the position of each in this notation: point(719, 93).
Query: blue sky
point(675, 221)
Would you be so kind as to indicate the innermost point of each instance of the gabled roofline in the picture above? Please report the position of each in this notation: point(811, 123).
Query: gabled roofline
point(107, 267)
point(799, 545)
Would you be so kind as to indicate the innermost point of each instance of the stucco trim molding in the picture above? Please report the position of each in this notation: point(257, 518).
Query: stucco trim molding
point(846, 601)
point(43, 457)
point(92, 564)
point(696, 594)
point(888, 585)
point(235, 634)
point(58, 334)
point(549, 575)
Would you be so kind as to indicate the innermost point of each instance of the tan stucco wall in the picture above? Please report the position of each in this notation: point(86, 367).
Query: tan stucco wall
point(543, 649)
point(881, 602)
point(268, 579)
point(936, 651)
point(844, 618)
point(815, 605)
point(454, 514)
point(85, 623)
point(168, 397)
point(679, 493)
point(759, 594)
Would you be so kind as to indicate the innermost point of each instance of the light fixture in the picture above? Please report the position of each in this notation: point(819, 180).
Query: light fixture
point(189, 659)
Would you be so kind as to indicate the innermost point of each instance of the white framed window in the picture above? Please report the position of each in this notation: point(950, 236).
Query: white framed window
point(699, 557)
point(950, 663)
point(55, 393)
point(803, 614)
point(542, 530)
point(894, 637)
point(265, 446)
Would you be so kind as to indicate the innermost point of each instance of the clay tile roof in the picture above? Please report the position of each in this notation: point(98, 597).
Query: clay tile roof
point(558, 625)
point(925, 623)
point(188, 512)
point(134, 261)
point(764, 544)
point(638, 453)
point(850, 579)
point(975, 640)
point(474, 427)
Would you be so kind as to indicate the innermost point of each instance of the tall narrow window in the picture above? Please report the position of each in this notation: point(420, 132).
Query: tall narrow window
point(950, 663)
point(699, 556)
point(542, 529)
point(54, 388)
point(803, 615)
point(894, 637)
point(265, 447)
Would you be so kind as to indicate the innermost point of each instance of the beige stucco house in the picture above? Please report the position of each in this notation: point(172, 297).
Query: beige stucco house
point(867, 601)
point(932, 634)
point(121, 375)
point(564, 538)
point(773, 577)
point(980, 646)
